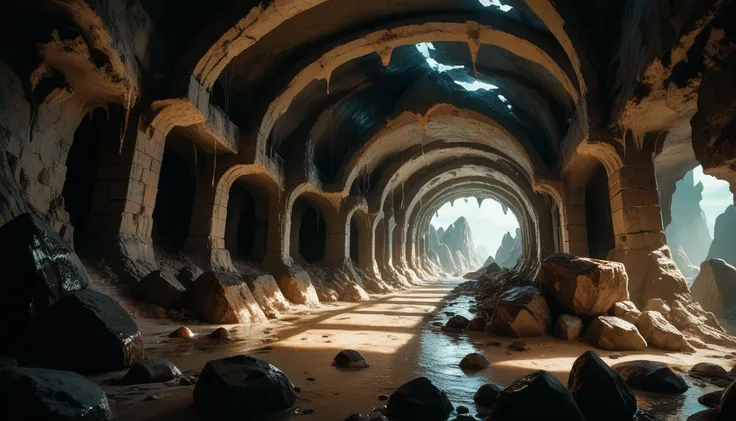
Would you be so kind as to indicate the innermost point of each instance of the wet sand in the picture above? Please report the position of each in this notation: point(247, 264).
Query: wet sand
point(396, 335)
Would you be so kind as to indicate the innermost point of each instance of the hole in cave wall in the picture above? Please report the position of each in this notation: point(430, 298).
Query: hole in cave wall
point(174, 201)
point(246, 227)
point(311, 232)
point(598, 219)
point(354, 233)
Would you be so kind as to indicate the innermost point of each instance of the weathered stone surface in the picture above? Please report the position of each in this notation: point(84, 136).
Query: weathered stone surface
point(224, 298)
point(727, 407)
point(349, 358)
point(182, 333)
point(535, 397)
point(688, 229)
point(230, 387)
point(297, 287)
point(614, 334)
point(658, 305)
point(659, 332)
point(711, 399)
point(660, 277)
point(725, 231)
point(458, 322)
point(568, 327)
point(627, 310)
point(715, 288)
point(474, 361)
point(683, 262)
point(601, 393)
point(41, 394)
point(268, 295)
point(522, 312)
point(38, 269)
point(486, 395)
point(151, 371)
point(326, 294)
point(160, 289)
point(477, 324)
point(690, 318)
point(651, 376)
point(418, 399)
point(88, 332)
point(581, 286)
point(351, 291)
point(713, 373)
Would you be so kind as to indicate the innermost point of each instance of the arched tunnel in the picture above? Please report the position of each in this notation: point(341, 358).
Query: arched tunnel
point(276, 169)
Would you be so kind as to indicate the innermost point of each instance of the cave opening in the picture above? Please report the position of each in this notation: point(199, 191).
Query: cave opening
point(246, 228)
point(174, 200)
point(598, 218)
point(308, 226)
point(354, 240)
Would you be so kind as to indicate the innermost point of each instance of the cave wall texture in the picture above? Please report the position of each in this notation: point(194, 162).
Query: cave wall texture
point(340, 127)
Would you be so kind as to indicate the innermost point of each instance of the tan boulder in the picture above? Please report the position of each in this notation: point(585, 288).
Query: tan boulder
point(224, 298)
point(715, 287)
point(690, 318)
point(326, 294)
point(614, 334)
point(657, 304)
point(522, 312)
point(627, 310)
point(268, 295)
point(568, 327)
point(659, 332)
point(581, 286)
point(297, 287)
point(351, 291)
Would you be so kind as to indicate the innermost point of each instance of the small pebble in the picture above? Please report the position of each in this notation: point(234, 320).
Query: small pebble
point(463, 409)
point(383, 398)
point(311, 379)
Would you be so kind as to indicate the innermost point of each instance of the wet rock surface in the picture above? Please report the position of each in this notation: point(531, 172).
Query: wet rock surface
point(457, 322)
point(418, 399)
point(651, 376)
point(522, 312)
point(614, 334)
point(350, 358)
point(601, 393)
point(568, 327)
point(88, 332)
point(182, 333)
point(224, 298)
point(477, 324)
point(151, 371)
point(42, 394)
point(220, 334)
point(727, 407)
point(474, 361)
point(486, 395)
point(533, 397)
point(160, 289)
point(230, 387)
point(711, 399)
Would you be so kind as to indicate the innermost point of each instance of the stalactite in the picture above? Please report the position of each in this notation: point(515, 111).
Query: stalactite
point(473, 33)
point(480, 201)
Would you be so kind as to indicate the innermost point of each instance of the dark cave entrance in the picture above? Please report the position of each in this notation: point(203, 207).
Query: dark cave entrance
point(246, 228)
point(598, 219)
point(174, 200)
point(381, 243)
point(311, 238)
point(354, 240)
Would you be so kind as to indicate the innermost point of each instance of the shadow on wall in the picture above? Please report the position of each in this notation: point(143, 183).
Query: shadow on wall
point(598, 217)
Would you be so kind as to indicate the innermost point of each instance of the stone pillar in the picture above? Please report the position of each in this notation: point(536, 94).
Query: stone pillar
point(574, 230)
point(337, 247)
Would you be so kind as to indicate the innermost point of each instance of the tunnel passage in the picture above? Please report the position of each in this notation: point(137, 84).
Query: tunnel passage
point(246, 228)
point(598, 218)
point(308, 232)
point(174, 199)
point(81, 171)
point(354, 239)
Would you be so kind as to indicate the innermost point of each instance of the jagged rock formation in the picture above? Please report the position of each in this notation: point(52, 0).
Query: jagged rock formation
point(510, 250)
point(723, 246)
point(483, 253)
point(688, 269)
point(454, 247)
point(688, 228)
point(715, 288)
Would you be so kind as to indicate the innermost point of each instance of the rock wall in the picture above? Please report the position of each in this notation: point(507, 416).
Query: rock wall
point(688, 228)
point(510, 250)
point(725, 232)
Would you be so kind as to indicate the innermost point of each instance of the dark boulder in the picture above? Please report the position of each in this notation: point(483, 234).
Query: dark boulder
point(487, 394)
point(474, 361)
point(537, 396)
point(705, 415)
point(349, 358)
point(601, 393)
point(458, 322)
point(477, 324)
point(160, 289)
point(151, 371)
point(186, 276)
point(522, 312)
point(242, 386)
point(50, 395)
point(221, 334)
point(651, 376)
point(418, 399)
point(727, 408)
point(38, 269)
point(88, 332)
point(711, 399)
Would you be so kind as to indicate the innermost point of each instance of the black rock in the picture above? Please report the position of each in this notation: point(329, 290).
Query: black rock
point(462, 409)
point(88, 332)
point(159, 289)
point(50, 395)
point(537, 396)
point(349, 358)
point(231, 388)
point(651, 376)
point(601, 393)
point(221, 334)
point(38, 269)
point(487, 394)
point(151, 371)
point(706, 415)
point(712, 399)
point(458, 322)
point(186, 276)
point(727, 408)
point(474, 361)
point(418, 399)
point(477, 324)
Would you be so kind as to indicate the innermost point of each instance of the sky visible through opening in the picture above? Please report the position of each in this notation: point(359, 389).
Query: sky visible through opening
point(716, 196)
point(488, 223)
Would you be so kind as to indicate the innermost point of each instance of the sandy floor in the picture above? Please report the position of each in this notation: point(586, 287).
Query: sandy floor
point(395, 333)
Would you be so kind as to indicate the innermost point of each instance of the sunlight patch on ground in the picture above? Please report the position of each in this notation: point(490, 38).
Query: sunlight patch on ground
point(376, 320)
point(384, 342)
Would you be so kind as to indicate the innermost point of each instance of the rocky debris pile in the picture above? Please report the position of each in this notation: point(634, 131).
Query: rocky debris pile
point(267, 294)
point(660, 333)
point(715, 288)
point(42, 394)
point(522, 312)
point(230, 387)
point(418, 399)
point(651, 376)
point(350, 358)
point(224, 298)
point(151, 371)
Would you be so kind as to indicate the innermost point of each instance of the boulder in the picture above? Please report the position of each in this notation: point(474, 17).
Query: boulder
point(221, 334)
point(151, 371)
point(486, 395)
point(715, 287)
point(725, 231)
point(297, 287)
point(568, 327)
point(601, 393)
point(477, 324)
point(614, 334)
point(658, 305)
point(224, 298)
point(474, 361)
point(326, 294)
point(182, 333)
point(727, 407)
point(627, 310)
point(537, 396)
point(351, 291)
point(581, 286)
point(659, 332)
point(267, 294)
point(705, 415)
point(690, 318)
point(187, 275)
point(711, 399)
point(522, 312)
point(88, 332)
point(651, 376)
point(234, 387)
point(159, 289)
point(38, 269)
point(457, 322)
point(41, 394)
point(349, 358)
point(418, 399)
point(712, 373)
